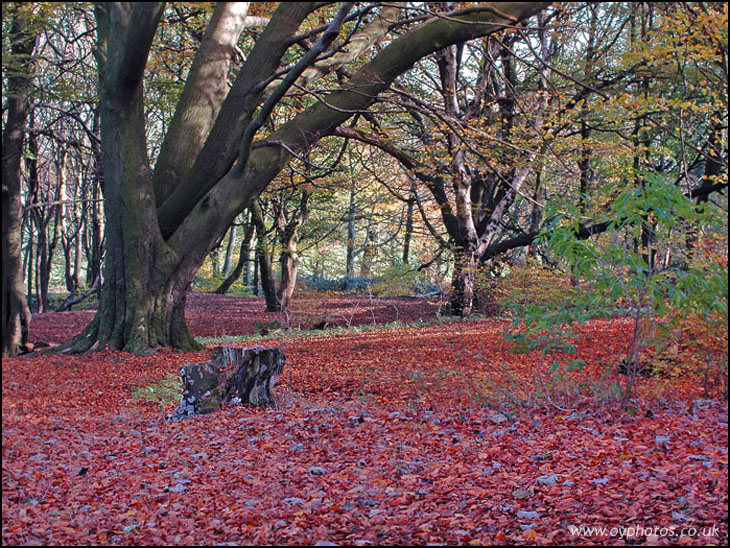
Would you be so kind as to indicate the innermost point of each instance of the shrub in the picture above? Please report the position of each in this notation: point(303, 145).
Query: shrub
point(339, 284)
point(614, 271)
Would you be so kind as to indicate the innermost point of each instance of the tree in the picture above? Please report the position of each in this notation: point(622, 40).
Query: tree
point(564, 111)
point(289, 212)
point(244, 257)
point(464, 104)
point(215, 158)
point(22, 37)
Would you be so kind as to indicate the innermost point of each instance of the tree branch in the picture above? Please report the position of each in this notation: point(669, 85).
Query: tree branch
point(129, 58)
point(322, 44)
point(236, 190)
point(223, 143)
point(205, 90)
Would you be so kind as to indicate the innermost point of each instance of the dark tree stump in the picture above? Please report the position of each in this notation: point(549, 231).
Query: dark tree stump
point(232, 376)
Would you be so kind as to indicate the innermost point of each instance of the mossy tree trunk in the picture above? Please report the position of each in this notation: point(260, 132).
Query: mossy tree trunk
point(143, 298)
point(16, 315)
point(461, 301)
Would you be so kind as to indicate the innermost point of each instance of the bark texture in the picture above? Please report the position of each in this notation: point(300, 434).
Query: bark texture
point(232, 376)
point(16, 315)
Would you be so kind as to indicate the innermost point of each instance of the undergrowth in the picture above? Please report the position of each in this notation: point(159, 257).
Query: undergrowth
point(337, 330)
point(165, 391)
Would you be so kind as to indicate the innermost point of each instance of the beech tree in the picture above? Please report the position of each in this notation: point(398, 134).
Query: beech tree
point(463, 120)
point(289, 215)
point(22, 37)
point(217, 156)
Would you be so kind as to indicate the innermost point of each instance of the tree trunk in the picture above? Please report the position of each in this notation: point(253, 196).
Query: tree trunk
point(144, 291)
point(67, 244)
point(16, 315)
point(266, 278)
point(369, 251)
point(263, 259)
point(138, 315)
point(143, 298)
point(145, 282)
point(409, 225)
point(76, 277)
point(289, 261)
point(44, 270)
point(71, 246)
point(536, 213)
point(461, 301)
point(94, 248)
point(288, 238)
point(29, 271)
point(233, 376)
point(243, 260)
point(350, 259)
point(47, 263)
point(229, 252)
point(256, 282)
point(319, 267)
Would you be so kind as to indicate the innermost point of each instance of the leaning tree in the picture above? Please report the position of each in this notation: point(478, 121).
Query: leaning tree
point(218, 153)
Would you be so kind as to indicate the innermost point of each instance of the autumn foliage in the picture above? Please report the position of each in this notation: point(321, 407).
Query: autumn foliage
point(438, 434)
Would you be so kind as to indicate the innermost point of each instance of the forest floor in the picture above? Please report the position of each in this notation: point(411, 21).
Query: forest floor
point(434, 434)
point(212, 315)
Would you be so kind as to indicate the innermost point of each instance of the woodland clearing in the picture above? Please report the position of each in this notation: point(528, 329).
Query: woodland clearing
point(435, 434)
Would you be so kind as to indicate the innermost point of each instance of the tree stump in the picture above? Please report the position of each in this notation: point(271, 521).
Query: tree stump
point(232, 376)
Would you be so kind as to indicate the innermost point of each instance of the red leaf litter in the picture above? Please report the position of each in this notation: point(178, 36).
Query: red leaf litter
point(212, 315)
point(432, 435)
